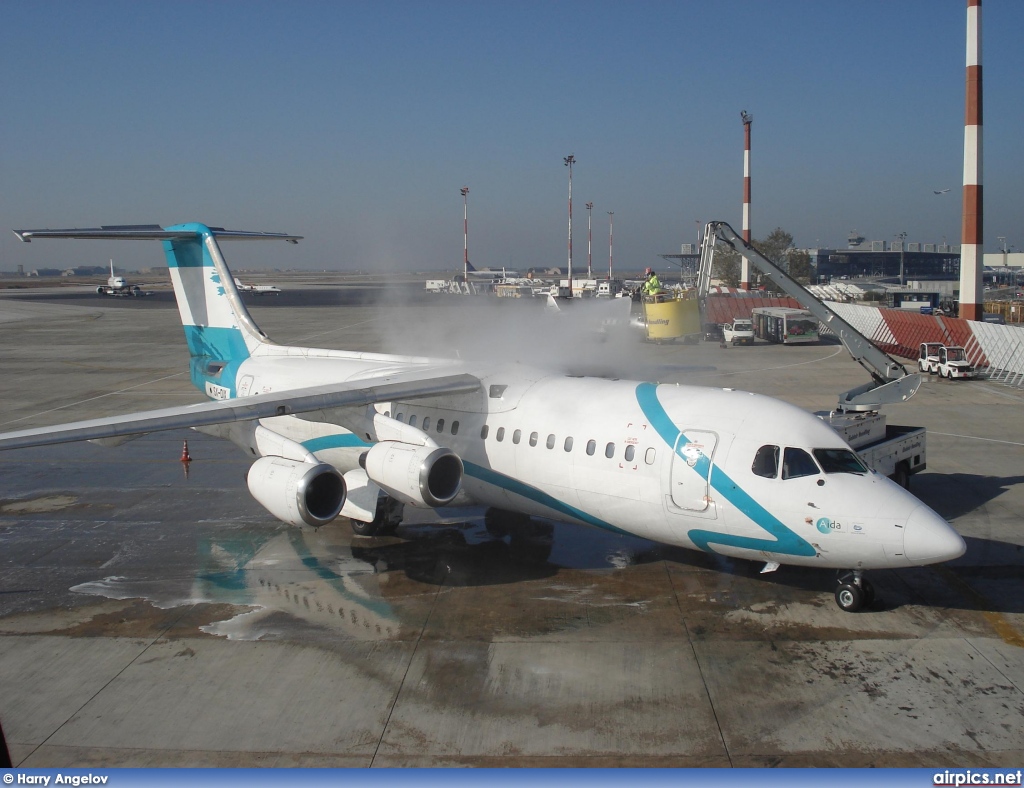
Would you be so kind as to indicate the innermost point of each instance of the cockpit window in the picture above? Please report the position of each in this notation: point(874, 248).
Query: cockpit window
point(839, 461)
point(766, 462)
point(797, 463)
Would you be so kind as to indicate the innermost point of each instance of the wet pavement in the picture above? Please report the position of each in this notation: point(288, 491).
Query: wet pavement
point(149, 618)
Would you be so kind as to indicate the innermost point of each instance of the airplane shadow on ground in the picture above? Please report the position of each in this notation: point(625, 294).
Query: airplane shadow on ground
point(953, 495)
point(989, 578)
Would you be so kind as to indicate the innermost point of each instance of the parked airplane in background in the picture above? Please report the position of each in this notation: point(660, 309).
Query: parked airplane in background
point(257, 289)
point(361, 435)
point(118, 286)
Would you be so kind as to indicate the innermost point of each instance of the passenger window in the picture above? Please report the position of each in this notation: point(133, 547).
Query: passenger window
point(400, 417)
point(609, 450)
point(412, 420)
point(483, 432)
point(533, 438)
point(516, 436)
point(797, 463)
point(501, 434)
point(766, 462)
point(630, 453)
point(551, 441)
point(591, 447)
point(440, 425)
point(568, 444)
point(649, 456)
point(455, 428)
point(426, 423)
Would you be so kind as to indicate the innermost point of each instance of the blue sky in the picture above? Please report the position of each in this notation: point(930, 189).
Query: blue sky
point(356, 123)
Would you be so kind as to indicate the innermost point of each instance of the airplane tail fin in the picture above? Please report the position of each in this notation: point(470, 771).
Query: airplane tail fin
point(218, 328)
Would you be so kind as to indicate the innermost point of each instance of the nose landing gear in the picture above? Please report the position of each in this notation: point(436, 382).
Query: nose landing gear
point(853, 593)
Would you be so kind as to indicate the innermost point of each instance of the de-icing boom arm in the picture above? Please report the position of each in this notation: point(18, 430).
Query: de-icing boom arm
point(891, 382)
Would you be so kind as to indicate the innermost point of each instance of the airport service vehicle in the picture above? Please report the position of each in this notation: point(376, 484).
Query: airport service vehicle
point(952, 363)
point(362, 435)
point(739, 332)
point(892, 450)
point(257, 289)
point(784, 325)
point(928, 356)
point(118, 286)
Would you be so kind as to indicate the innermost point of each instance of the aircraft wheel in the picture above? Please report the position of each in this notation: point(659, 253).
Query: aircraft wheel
point(361, 528)
point(849, 597)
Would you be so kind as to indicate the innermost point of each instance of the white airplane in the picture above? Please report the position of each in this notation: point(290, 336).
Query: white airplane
point(118, 286)
point(257, 289)
point(360, 435)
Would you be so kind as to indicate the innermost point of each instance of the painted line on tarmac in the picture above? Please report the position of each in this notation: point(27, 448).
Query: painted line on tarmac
point(92, 399)
point(975, 438)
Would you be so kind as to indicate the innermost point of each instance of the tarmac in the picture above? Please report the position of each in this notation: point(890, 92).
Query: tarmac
point(154, 618)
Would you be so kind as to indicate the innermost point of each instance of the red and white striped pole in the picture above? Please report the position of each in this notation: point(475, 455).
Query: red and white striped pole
point(611, 224)
point(748, 119)
point(971, 259)
point(465, 232)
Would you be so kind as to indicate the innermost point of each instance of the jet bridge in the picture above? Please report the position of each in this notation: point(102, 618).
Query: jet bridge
point(891, 382)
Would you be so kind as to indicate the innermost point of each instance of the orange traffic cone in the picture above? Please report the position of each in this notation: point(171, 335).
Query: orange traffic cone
point(185, 457)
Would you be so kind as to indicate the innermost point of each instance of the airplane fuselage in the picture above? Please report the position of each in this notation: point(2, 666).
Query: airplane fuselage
point(670, 463)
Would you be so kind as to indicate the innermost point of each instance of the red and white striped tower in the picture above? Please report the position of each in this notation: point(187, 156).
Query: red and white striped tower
point(590, 259)
point(611, 225)
point(748, 119)
point(465, 232)
point(971, 301)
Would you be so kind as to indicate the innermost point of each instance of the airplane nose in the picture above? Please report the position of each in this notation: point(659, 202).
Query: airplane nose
point(928, 539)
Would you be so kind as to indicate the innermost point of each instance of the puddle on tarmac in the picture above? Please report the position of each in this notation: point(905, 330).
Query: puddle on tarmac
point(48, 503)
point(365, 588)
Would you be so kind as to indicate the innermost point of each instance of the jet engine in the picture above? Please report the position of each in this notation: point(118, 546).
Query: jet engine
point(297, 492)
point(424, 476)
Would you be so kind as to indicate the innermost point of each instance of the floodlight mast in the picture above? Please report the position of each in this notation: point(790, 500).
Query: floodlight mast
point(590, 260)
point(569, 161)
point(464, 191)
point(611, 224)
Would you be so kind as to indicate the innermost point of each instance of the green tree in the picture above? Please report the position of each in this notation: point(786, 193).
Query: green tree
point(727, 266)
point(800, 266)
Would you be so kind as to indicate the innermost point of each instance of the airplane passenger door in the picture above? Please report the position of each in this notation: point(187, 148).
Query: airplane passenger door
point(691, 471)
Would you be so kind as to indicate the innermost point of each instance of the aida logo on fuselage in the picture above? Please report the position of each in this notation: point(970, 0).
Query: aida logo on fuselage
point(827, 526)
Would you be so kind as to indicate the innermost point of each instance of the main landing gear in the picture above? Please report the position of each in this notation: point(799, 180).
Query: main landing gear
point(853, 593)
point(386, 518)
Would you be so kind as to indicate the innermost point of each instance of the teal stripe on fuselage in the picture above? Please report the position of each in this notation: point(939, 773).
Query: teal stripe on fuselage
point(492, 477)
point(786, 541)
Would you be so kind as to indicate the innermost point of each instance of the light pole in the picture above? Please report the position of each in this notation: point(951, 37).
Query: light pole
point(464, 191)
point(590, 270)
point(902, 237)
point(611, 220)
point(569, 161)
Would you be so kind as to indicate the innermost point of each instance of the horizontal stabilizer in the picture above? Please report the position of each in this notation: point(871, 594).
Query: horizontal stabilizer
point(366, 391)
point(150, 232)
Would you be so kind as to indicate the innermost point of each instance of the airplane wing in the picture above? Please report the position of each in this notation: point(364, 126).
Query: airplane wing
point(406, 385)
